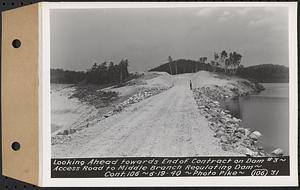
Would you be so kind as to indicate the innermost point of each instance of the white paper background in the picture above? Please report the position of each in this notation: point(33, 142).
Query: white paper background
point(44, 101)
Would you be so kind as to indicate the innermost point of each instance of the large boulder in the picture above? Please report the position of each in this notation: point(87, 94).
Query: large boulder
point(247, 132)
point(219, 133)
point(241, 130)
point(224, 139)
point(246, 151)
point(255, 135)
point(277, 152)
point(239, 135)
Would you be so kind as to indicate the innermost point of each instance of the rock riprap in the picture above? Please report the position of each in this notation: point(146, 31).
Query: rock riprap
point(231, 135)
point(143, 94)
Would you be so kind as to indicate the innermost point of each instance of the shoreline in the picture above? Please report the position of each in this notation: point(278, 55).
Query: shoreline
point(223, 131)
point(230, 134)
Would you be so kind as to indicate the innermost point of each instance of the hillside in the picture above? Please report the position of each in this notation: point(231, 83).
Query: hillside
point(266, 73)
point(183, 66)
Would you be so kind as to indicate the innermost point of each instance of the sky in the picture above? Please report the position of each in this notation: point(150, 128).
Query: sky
point(146, 37)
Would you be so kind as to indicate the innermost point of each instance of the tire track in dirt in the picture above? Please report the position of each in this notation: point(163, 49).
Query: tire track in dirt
point(167, 124)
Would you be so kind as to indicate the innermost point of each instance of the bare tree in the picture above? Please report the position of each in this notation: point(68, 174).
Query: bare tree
point(227, 64)
point(197, 65)
point(121, 70)
point(216, 58)
point(214, 65)
point(223, 57)
point(215, 62)
point(202, 60)
point(236, 61)
point(170, 60)
point(233, 62)
point(123, 67)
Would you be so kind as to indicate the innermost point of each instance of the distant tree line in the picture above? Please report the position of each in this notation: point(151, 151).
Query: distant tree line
point(66, 77)
point(111, 73)
point(97, 74)
point(180, 66)
point(265, 73)
point(229, 65)
point(222, 62)
point(228, 62)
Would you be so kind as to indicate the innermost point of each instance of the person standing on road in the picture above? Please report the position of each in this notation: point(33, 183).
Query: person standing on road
point(191, 85)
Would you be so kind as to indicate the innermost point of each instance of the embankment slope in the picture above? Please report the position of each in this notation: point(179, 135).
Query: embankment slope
point(167, 124)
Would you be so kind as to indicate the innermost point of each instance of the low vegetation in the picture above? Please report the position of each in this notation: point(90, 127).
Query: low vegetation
point(183, 66)
point(223, 62)
point(99, 74)
point(228, 64)
point(93, 95)
point(60, 76)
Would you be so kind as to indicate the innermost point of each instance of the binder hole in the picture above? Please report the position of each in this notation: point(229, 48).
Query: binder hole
point(16, 43)
point(15, 146)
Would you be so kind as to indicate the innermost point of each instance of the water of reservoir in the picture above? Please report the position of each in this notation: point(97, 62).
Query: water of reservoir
point(267, 112)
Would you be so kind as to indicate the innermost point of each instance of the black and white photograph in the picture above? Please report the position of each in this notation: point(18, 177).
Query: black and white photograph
point(150, 94)
point(169, 82)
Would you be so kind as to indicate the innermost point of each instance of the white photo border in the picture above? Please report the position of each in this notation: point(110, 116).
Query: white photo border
point(45, 108)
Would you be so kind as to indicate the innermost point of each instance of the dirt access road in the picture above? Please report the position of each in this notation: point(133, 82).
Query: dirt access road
point(167, 124)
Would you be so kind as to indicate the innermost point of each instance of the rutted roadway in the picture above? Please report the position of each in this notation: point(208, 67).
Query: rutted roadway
point(167, 124)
